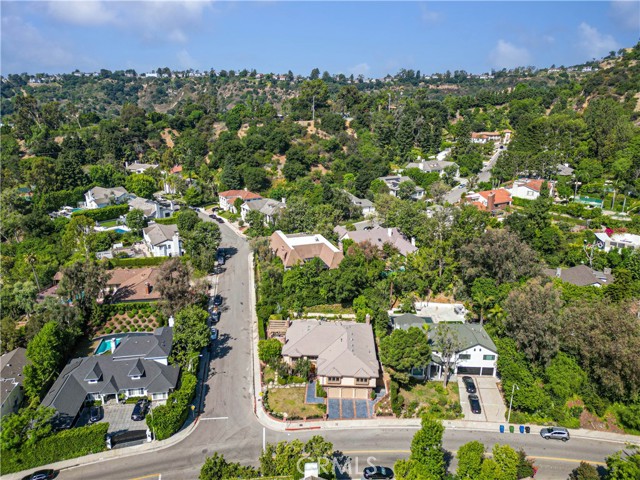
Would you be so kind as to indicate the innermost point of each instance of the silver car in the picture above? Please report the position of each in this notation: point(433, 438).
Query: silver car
point(556, 433)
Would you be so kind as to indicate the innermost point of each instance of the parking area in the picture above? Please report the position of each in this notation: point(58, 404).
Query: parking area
point(491, 403)
point(118, 416)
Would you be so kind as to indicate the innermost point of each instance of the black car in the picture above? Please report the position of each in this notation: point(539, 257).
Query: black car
point(219, 220)
point(469, 384)
point(217, 300)
point(377, 472)
point(95, 414)
point(475, 404)
point(41, 475)
point(140, 410)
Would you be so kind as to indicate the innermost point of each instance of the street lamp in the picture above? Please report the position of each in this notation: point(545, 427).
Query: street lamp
point(513, 389)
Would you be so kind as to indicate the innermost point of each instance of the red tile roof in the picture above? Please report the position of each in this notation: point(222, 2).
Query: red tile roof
point(501, 195)
point(176, 169)
point(534, 184)
point(243, 194)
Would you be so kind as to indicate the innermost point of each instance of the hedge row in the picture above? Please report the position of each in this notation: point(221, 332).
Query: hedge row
point(64, 445)
point(137, 262)
point(168, 419)
point(55, 200)
point(103, 214)
point(166, 221)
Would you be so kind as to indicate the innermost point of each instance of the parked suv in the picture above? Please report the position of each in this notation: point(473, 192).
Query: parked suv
point(469, 384)
point(474, 401)
point(140, 410)
point(556, 433)
point(95, 414)
point(377, 473)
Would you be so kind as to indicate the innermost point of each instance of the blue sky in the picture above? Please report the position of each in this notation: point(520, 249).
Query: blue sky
point(370, 38)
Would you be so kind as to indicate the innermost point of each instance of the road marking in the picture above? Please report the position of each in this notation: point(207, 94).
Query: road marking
point(153, 475)
point(488, 454)
point(214, 418)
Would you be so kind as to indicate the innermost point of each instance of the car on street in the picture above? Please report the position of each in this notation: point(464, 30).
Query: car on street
point(95, 414)
point(377, 472)
point(41, 475)
point(140, 410)
point(214, 334)
point(469, 384)
point(217, 300)
point(555, 433)
point(214, 317)
point(474, 401)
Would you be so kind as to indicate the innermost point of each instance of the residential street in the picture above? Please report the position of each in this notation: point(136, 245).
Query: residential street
point(484, 176)
point(229, 426)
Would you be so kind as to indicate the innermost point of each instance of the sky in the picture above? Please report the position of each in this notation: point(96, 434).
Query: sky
point(360, 37)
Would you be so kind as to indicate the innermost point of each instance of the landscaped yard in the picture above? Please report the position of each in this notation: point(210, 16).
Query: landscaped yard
point(109, 223)
point(268, 375)
point(124, 319)
point(335, 309)
point(431, 397)
point(291, 402)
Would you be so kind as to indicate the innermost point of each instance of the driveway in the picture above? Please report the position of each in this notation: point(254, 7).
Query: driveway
point(118, 416)
point(493, 408)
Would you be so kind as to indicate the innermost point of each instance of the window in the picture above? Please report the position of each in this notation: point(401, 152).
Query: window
point(93, 381)
point(333, 379)
point(464, 356)
point(135, 377)
point(488, 357)
point(362, 381)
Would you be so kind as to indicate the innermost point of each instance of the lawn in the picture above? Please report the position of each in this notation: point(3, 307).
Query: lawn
point(431, 397)
point(335, 309)
point(268, 375)
point(291, 402)
point(109, 223)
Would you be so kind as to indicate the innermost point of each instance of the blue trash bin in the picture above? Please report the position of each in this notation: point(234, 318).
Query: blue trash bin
point(501, 428)
point(521, 428)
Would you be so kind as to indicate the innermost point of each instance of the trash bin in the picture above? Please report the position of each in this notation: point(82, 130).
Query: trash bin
point(527, 429)
point(511, 429)
point(501, 428)
point(521, 428)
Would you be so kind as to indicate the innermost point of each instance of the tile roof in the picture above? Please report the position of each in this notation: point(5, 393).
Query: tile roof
point(243, 194)
point(343, 349)
point(176, 169)
point(133, 284)
point(298, 248)
point(501, 195)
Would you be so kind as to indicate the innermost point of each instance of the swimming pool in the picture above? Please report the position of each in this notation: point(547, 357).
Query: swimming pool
point(120, 230)
point(105, 345)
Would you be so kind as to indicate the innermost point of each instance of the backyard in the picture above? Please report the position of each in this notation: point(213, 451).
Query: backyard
point(291, 402)
point(130, 318)
point(419, 397)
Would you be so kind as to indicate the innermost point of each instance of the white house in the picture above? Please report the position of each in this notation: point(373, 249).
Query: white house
point(608, 242)
point(228, 198)
point(430, 166)
point(163, 240)
point(366, 206)
point(393, 184)
point(484, 137)
point(271, 209)
point(529, 189)
point(99, 197)
point(136, 167)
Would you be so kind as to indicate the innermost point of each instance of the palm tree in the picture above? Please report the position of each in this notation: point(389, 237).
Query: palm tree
point(496, 314)
point(31, 260)
point(480, 303)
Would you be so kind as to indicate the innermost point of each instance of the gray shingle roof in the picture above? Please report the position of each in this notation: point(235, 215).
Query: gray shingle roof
point(379, 236)
point(580, 275)
point(150, 346)
point(469, 335)
point(407, 320)
point(158, 233)
point(11, 365)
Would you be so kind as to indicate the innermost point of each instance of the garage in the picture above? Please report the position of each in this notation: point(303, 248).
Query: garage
point(487, 371)
point(469, 371)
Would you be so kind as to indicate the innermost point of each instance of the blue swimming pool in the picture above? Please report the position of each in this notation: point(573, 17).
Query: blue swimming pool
point(120, 230)
point(105, 345)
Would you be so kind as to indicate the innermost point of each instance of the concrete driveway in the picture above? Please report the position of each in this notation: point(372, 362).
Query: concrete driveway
point(118, 416)
point(493, 408)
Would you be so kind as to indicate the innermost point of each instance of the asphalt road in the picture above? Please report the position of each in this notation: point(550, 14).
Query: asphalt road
point(228, 425)
point(455, 194)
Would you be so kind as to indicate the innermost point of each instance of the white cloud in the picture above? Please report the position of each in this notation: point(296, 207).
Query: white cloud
point(360, 69)
point(429, 16)
point(87, 13)
point(185, 60)
point(23, 44)
point(594, 43)
point(626, 14)
point(507, 55)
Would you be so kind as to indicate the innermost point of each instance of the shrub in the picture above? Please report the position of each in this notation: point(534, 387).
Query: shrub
point(320, 392)
point(397, 400)
point(64, 445)
point(108, 330)
point(130, 314)
point(103, 214)
point(167, 419)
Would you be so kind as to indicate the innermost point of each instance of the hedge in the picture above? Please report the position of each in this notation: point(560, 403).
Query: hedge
point(55, 200)
point(168, 419)
point(137, 262)
point(166, 221)
point(64, 445)
point(103, 214)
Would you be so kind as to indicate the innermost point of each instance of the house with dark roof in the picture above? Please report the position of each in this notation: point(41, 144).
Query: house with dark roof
point(136, 367)
point(393, 183)
point(343, 353)
point(379, 236)
point(365, 205)
point(408, 320)
point(11, 365)
point(581, 276)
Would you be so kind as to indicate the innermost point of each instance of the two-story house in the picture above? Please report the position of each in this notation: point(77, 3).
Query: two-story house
point(298, 248)
point(343, 353)
point(393, 184)
point(163, 240)
point(11, 365)
point(271, 209)
point(228, 198)
point(99, 197)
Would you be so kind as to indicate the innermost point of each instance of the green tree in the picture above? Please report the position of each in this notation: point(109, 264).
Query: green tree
point(564, 377)
point(141, 185)
point(269, 351)
point(404, 350)
point(447, 343)
point(406, 189)
point(470, 458)
point(426, 461)
point(44, 353)
point(186, 219)
point(190, 335)
point(507, 460)
point(174, 286)
point(82, 283)
point(136, 220)
point(584, 471)
point(25, 428)
point(217, 468)
point(80, 236)
point(201, 244)
point(624, 465)
point(483, 294)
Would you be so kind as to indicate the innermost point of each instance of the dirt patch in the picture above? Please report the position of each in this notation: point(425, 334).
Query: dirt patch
point(218, 128)
point(319, 168)
point(592, 422)
point(243, 130)
point(58, 140)
point(167, 135)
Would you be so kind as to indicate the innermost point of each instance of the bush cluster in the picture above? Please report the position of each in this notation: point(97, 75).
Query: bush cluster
point(104, 214)
point(167, 419)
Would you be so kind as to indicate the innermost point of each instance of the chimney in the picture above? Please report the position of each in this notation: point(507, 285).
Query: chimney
point(558, 272)
point(389, 232)
point(283, 200)
point(413, 241)
point(149, 287)
point(367, 319)
point(491, 201)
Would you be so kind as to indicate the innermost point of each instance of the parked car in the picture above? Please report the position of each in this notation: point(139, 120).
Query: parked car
point(475, 404)
point(214, 334)
point(214, 317)
point(217, 300)
point(140, 410)
point(469, 384)
point(95, 414)
point(41, 475)
point(377, 472)
point(556, 433)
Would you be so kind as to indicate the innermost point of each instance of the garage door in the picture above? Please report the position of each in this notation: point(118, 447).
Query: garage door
point(468, 371)
point(487, 371)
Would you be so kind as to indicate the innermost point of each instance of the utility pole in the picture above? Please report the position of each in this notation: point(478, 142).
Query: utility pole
point(513, 389)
